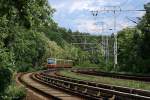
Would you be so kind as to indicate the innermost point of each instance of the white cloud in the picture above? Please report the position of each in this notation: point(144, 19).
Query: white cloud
point(91, 26)
point(78, 5)
point(71, 12)
point(90, 4)
point(85, 25)
point(59, 6)
point(140, 14)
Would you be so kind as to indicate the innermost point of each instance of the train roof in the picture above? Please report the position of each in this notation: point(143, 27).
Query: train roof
point(58, 59)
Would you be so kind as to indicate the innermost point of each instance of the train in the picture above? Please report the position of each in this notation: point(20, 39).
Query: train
point(59, 63)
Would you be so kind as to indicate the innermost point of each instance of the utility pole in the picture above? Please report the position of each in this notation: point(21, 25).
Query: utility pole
point(114, 9)
point(115, 40)
point(107, 49)
point(103, 42)
point(104, 39)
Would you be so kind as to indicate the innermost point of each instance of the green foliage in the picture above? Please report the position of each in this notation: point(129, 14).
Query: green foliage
point(29, 47)
point(127, 54)
point(21, 44)
point(108, 67)
point(29, 35)
point(145, 29)
point(87, 64)
point(19, 22)
point(29, 13)
point(15, 92)
point(134, 46)
point(5, 79)
point(55, 36)
point(6, 58)
point(70, 52)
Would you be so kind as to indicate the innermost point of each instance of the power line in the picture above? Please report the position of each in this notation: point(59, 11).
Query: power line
point(114, 9)
point(133, 20)
point(104, 39)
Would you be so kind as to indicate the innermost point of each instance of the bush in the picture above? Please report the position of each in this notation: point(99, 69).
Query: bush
point(23, 68)
point(37, 68)
point(5, 79)
point(15, 93)
point(87, 64)
point(110, 67)
point(29, 68)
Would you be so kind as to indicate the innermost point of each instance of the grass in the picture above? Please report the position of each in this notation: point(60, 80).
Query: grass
point(108, 80)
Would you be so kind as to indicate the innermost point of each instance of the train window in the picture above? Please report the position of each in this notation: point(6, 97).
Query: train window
point(67, 62)
point(51, 61)
point(58, 61)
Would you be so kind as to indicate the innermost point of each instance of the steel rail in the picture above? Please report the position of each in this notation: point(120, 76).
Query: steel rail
point(21, 80)
point(94, 91)
point(145, 78)
point(113, 87)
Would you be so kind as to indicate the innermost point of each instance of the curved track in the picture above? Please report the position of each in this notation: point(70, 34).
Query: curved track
point(86, 90)
point(31, 82)
point(96, 90)
point(51, 79)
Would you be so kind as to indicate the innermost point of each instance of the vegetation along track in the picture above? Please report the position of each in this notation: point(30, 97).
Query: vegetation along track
point(95, 90)
point(90, 71)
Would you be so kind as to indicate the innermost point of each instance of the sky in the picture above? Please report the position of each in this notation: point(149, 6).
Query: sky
point(77, 16)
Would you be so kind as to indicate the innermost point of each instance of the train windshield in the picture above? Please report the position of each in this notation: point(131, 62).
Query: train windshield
point(51, 61)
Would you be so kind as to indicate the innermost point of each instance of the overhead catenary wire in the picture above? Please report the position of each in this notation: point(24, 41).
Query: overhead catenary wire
point(114, 9)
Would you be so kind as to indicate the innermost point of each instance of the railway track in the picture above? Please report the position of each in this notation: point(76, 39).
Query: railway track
point(97, 89)
point(145, 78)
point(48, 93)
point(78, 88)
point(67, 86)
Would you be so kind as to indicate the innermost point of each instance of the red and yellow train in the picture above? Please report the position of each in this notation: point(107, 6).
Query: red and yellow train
point(59, 63)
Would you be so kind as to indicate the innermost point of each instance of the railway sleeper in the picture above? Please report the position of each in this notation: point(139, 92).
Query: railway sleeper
point(117, 88)
point(98, 93)
point(144, 93)
point(70, 89)
point(75, 88)
point(81, 89)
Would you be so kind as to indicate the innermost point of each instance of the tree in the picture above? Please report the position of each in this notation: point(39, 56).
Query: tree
point(144, 26)
point(134, 55)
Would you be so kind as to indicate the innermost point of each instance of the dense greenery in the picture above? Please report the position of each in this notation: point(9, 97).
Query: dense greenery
point(134, 46)
point(29, 35)
point(5, 80)
point(22, 45)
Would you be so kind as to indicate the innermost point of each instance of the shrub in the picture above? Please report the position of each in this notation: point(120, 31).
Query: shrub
point(87, 64)
point(5, 79)
point(15, 93)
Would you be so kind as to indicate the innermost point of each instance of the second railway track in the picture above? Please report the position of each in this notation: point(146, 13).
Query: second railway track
point(97, 90)
point(90, 71)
